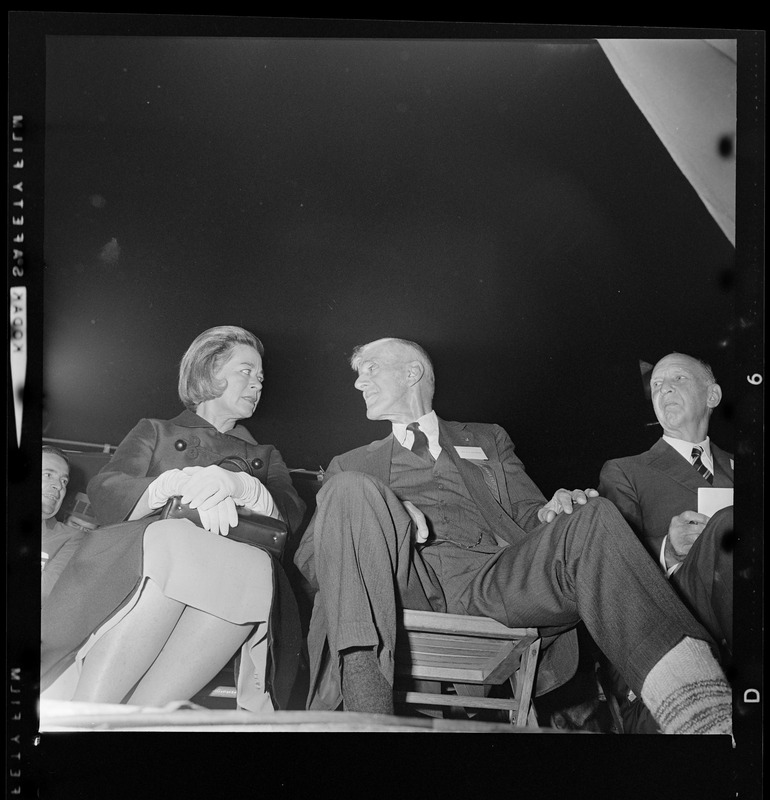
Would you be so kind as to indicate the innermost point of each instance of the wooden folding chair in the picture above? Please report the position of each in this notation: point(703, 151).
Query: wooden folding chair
point(458, 649)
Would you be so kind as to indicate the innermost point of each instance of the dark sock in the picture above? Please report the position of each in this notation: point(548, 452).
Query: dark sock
point(364, 687)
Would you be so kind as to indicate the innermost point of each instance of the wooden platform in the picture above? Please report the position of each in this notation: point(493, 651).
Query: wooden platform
point(60, 717)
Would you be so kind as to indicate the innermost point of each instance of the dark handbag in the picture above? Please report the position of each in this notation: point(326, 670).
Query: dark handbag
point(255, 529)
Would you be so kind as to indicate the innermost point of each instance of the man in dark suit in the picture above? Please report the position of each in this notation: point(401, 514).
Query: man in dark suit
point(59, 541)
point(441, 515)
point(657, 493)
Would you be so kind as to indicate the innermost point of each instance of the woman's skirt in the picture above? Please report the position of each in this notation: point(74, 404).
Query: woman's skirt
point(228, 579)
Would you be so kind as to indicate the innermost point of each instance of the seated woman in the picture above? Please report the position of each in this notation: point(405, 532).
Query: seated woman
point(148, 611)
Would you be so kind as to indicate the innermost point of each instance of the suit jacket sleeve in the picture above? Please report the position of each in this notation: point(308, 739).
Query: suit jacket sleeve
point(524, 497)
point(115, 490)
point(279, 484)
point(616, 485)
point(304, 557)
point(55, 567)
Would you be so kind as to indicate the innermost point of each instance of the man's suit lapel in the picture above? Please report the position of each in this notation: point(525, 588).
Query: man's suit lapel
point(724, 475)
point(456, 434)
point(666, 460)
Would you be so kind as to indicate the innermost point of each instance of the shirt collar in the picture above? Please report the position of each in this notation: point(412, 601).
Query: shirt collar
point(428, 425)
point(685, 448)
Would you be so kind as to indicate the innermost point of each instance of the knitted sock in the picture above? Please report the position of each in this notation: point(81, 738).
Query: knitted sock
point(364, 687)
point(686, 691)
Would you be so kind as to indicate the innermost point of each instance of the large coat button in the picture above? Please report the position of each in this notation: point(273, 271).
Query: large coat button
point(257, 463)
point(180, 444)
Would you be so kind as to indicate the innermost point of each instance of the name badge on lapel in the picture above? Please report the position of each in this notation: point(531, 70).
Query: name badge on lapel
point(472, 453)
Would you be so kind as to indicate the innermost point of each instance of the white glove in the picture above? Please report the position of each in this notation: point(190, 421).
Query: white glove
point(169, 483)
point(220, 518)
point(254, 495)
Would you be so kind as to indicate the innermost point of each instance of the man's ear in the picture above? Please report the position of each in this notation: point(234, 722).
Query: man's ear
point(714, 395)
point(414, 372)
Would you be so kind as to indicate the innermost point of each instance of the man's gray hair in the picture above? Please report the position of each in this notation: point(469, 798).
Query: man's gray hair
point(412, 349)
point(704, 365)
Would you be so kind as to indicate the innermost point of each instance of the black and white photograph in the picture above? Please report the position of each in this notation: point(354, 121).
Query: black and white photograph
point(385, 377)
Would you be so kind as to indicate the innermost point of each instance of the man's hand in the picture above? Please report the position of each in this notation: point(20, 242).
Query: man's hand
point(562, 501)
point(683, 530)
point(420, 525)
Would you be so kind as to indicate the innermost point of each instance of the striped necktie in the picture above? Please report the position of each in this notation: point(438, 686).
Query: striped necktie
point(420, 444)
point(697, 462)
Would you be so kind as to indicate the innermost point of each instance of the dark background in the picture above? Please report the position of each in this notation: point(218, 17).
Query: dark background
point(502, 202)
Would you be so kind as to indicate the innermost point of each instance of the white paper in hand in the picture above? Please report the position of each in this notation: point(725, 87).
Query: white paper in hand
point(712, 500)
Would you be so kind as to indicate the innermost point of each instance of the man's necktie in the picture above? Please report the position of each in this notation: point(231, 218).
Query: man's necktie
point(420, 444)
point(697, 462)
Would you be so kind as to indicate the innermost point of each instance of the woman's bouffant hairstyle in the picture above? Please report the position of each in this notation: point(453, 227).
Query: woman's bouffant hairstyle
point(203, 359)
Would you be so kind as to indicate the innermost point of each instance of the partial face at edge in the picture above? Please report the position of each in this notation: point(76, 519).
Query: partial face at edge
point(56, 476)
